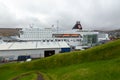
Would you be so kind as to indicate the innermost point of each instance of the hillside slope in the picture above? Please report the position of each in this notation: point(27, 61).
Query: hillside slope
point(103, 52)
point(103, 61)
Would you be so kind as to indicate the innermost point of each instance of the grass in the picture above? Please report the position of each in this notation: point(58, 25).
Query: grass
point(99, 70)
point(98, 63)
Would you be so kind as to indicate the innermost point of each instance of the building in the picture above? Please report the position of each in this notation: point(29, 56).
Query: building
point(103, 36)
point(35, 49)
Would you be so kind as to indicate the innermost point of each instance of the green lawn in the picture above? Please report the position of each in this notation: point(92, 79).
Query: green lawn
point(98, 63)
point(99, 70)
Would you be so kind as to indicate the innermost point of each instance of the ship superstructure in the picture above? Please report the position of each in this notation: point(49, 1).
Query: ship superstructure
point(74, 37)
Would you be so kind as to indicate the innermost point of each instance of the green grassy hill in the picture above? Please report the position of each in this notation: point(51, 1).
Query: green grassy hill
point(98, 63)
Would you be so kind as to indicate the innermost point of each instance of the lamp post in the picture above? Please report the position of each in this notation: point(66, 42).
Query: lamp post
point(91, 41)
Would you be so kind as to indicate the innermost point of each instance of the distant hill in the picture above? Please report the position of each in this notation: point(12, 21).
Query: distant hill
point(117, 30)
point(9, 31)
point(114, 30)
point(98, 63)
point(113, 34)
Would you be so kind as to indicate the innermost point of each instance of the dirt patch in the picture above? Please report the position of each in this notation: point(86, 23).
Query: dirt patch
point(39, 76)
point(16, 78)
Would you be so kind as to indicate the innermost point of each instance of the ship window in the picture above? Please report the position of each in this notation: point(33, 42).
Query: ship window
point(43, 40)
point(55, 39)
point(73, 40)
point(47, 40)
point(78, 40)
point(68, 40)
point(64, 39)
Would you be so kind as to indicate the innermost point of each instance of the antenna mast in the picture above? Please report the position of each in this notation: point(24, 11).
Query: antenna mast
point(57, 26)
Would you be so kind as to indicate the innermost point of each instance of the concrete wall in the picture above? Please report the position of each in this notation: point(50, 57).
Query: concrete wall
point(35, 53)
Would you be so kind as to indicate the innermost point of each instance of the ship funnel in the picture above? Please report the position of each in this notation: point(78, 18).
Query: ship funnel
point(77, 25)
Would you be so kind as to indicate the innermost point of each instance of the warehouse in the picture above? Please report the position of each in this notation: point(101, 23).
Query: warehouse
point(12, 50)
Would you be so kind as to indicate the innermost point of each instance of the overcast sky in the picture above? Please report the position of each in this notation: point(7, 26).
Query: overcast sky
point(93, 14)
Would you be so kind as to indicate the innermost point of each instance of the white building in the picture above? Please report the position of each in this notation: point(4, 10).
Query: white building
point(35, 49)
point(103, 36)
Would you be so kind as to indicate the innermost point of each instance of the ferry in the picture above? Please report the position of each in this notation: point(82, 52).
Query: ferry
point(74, 37)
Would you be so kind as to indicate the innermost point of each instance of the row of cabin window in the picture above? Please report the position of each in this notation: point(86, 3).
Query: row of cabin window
point(61, 40)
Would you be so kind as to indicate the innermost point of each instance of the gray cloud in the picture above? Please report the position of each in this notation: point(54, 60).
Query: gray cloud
point(6, 18)
point(93, 14)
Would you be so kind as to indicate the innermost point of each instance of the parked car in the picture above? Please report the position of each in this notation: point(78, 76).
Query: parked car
point(24, 58)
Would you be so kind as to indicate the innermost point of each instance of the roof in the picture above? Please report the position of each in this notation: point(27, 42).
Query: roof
point(32, 45)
